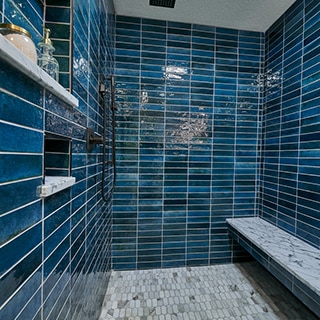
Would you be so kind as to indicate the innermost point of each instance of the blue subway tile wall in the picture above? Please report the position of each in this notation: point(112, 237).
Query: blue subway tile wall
point(55, 252)
point(198, 109)
point(188, 136)
point(290, 170)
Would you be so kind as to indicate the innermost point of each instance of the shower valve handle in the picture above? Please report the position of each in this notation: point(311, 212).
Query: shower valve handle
point(93, 139)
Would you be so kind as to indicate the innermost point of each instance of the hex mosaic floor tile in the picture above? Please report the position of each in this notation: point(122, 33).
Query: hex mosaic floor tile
point(231, 292)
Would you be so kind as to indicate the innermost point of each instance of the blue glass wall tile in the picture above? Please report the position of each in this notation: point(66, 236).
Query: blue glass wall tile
point(19, 167)
point(26, 302)
point(15, 110)
point(189, 139)
point(30, 141)
point(13, 256)
point(294, 181)
point(57, 297)
point(180, 184)
point(19, 220)
point(24, 191)
point(26, 268)
point(68, 215)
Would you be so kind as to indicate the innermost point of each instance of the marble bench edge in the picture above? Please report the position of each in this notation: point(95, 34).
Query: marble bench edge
point(259, 222)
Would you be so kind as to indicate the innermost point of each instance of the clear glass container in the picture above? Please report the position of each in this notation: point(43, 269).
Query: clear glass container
point(46, 59)
point(20, 38)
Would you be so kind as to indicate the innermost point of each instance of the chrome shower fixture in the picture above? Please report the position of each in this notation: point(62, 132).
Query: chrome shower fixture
point(163, 3)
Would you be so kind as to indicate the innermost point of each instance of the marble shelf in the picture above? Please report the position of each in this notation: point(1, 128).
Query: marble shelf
point(53, 185)
point(13, 56)
point(291, 260)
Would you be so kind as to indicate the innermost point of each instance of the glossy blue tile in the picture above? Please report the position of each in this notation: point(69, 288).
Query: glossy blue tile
point(25, 192)
point(293, 123)
point(29, 308)
point(29, 141)
point(29, 211)
point(19, 220)
point(58, 261)
point(232, 89)
point(57, 297)
point(15, 110)
point(13, 167)
point(58, 14)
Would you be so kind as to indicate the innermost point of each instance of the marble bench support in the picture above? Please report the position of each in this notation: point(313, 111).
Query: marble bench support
point(295, 263)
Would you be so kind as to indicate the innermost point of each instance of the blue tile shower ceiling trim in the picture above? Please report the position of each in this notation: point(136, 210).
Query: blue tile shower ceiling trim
point(188, 134)
point(56, 252)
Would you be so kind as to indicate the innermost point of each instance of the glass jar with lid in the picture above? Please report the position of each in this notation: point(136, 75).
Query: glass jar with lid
point(20, 38)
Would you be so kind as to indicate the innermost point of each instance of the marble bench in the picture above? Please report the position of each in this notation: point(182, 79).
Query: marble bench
point(295, 263)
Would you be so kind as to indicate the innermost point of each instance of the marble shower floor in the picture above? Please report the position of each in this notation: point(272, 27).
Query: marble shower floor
point(226, 292)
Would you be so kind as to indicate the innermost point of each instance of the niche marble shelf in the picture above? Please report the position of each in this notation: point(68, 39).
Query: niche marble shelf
point(13, 56)
point(53, 185)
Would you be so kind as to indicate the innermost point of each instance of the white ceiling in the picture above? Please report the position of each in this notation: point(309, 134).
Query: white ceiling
point(254, 15)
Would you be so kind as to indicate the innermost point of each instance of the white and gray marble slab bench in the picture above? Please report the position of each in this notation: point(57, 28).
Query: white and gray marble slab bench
point(292, 261)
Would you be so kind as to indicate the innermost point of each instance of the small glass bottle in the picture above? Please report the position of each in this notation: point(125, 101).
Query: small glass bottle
point(46, 60)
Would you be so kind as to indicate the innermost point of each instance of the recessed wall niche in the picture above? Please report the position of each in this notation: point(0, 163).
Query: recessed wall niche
point(57, 155)
point(58, 17)
point(57, 165)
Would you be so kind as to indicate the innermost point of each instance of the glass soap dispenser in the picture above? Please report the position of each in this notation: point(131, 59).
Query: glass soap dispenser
point(46, 60)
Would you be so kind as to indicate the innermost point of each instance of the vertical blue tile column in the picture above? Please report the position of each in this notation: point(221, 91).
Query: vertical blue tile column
point(289, 184)
point(58, 18)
